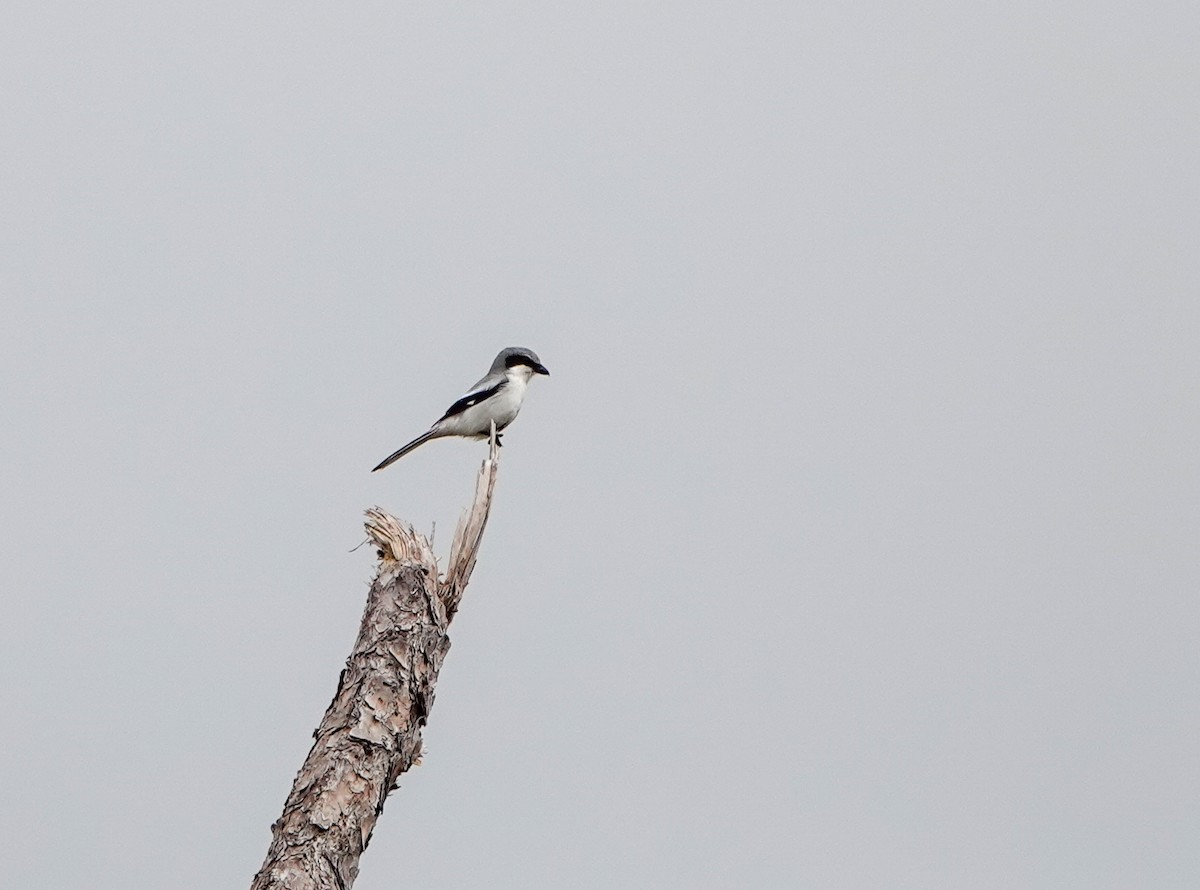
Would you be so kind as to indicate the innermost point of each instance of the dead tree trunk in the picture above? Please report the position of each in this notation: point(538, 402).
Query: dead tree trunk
point(371, 732)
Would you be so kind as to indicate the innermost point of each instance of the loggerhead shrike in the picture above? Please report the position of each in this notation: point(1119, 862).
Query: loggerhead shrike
point(497, 397)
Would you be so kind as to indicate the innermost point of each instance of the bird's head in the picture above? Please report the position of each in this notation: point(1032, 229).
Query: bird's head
point(519, 357)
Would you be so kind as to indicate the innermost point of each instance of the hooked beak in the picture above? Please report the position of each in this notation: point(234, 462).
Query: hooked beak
point(541, 369)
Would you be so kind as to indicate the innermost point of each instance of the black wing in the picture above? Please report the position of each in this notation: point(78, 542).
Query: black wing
point(473, 398)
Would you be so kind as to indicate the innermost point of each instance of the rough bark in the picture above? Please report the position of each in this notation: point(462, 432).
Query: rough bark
point(371, 732)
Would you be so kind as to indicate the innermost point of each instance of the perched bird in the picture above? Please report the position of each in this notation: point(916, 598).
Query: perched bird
point(497, 397)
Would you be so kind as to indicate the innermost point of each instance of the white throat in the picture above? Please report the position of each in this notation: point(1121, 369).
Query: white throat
point(520, 374)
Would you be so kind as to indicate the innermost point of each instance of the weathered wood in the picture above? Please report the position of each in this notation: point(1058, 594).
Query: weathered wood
point(371, 732)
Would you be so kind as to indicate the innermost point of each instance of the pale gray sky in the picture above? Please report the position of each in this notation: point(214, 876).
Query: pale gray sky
point(852, 543)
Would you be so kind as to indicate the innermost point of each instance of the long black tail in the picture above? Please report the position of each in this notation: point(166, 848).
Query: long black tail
point(392, 458)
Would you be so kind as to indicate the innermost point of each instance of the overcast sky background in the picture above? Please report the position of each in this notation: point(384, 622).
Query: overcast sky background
point(852, 543)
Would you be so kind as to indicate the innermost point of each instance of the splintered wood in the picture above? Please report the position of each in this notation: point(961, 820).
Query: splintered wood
point(371, 732)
